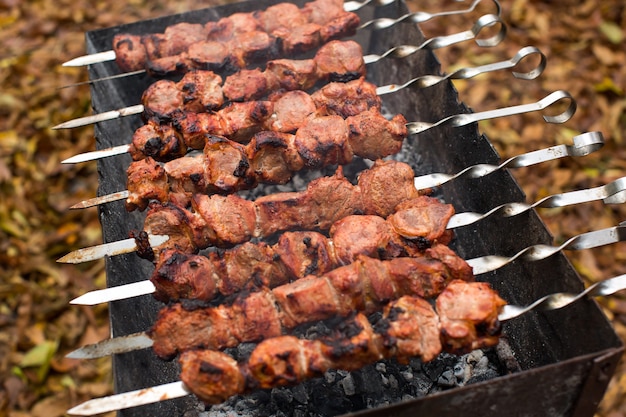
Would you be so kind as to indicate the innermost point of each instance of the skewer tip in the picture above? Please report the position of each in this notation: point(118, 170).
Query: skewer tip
point(84, 60)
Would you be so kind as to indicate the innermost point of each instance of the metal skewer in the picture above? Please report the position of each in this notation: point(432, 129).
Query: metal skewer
point(459, 120)
point(612, 193)
point(583, 145)
point(350, 6)
point(424, 81)
point(479, 265)
point(420, 17)
point(405, 51)
point(413, 128)
point(587, 240)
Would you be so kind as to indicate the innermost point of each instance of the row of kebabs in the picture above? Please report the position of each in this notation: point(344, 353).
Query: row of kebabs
point(236, 41)
point(385, 249)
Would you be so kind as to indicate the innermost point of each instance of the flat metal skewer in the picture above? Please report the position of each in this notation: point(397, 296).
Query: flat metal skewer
point(424, 81)
point(464, 119)
point(583, 145)
point(612, 193)
point(178, 389)
point(587, 240)
point(350, 6)
point(404, 51)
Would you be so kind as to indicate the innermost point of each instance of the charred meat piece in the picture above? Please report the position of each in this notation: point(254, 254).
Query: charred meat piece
point(347, 99)
point(372, 135)
point(469, 317)
point(365, 285)
point(291, 110)
point(197, 91)
point(340, 61)
point(246, 85)
point(158, 141)
point(147, 180)
point(323, 141)
point(273, 157)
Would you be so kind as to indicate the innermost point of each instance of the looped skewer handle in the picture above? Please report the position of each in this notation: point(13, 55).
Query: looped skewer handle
point(425, 81)
point(562, 299)
point(583, 145)
point(588, 240)
point(402, 51)
point(459, 120)
point(611, 193)
point(353, 6)
point(421, 17)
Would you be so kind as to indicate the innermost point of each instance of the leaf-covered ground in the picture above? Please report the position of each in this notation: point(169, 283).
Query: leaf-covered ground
point(582, 39)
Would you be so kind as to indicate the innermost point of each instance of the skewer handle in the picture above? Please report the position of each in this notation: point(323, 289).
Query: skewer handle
point(587, 240)
point(583, 145)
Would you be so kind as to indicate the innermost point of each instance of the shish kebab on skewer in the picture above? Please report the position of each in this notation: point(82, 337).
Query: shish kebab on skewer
point(408, 323)
point(402, 318)
point(280, 112)
point(164, 100)
point(273, 157)
point(225, 221)
point(282, 29)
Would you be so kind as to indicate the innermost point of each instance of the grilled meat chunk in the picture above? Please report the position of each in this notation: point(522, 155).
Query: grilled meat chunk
point(347, 99)
point(158, 141)
point(469, 316)
point(291, 110)
point(197, 91)
point(371, 134)
point(323, 141)
point(281, 112)
point(340, 61)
